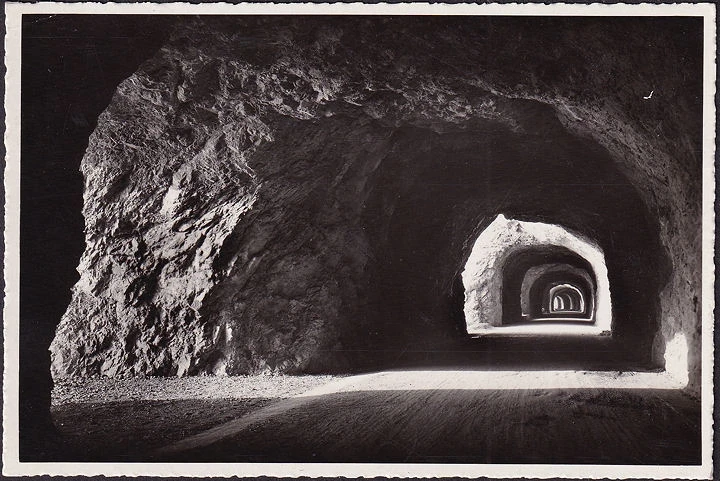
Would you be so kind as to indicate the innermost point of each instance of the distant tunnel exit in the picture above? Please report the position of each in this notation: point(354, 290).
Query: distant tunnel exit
point(564, 299)
point(557, 291)
point(535, 274)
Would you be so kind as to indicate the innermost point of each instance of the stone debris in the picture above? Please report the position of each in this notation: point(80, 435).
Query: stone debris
point(110, 390)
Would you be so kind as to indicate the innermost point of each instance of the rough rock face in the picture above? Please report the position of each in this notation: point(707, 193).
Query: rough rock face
point(255, 193)
point(504, 238)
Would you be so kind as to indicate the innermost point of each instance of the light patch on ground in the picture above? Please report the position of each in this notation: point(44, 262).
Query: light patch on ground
point(103, 389)
point(500, 380)
point(403, 383)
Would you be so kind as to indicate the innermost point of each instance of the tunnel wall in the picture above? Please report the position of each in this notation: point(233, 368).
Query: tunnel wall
point(229, 184)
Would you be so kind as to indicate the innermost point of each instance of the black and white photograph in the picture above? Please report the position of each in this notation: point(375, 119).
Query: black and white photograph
point(354, 239)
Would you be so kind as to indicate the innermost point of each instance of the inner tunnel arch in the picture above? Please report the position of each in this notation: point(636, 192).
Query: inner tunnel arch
point(496, 275)
point(440, 187)
point(538, 276)
point(564, 298)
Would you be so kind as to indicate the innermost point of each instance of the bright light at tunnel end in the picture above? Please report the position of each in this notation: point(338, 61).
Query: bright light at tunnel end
point(483, 279)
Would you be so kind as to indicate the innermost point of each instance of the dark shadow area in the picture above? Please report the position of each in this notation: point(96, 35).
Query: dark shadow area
point(526, 352)
point(71, 65)
point(126, 431)
point(557, 426)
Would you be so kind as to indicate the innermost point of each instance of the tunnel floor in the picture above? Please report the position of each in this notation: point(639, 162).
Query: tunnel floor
point(451, 425)
point(401, 416)
point(478, 400)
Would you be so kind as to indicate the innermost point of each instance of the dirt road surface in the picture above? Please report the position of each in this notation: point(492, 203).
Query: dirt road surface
point(451, 418)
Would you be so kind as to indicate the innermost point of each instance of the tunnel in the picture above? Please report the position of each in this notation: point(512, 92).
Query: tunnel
point(253, 203)
point(562, 299)
point(355, 238)
point(515, 268)
point(471, 178)
point(541, 306)
point(557, 289)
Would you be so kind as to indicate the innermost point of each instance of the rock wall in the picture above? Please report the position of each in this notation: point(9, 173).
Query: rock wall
point(246, 188)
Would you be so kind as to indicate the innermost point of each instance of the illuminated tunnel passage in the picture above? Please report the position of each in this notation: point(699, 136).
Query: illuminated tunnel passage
point(557, 291)
point(277, 207)
point(563, 289)
point(532, 272)
point(563, 299)
point(487, 220)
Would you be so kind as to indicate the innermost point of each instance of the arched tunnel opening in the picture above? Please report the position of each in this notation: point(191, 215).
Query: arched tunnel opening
point(562, 299)
point(461, 179)
point(515, 265)
point(565, 289)
point(357, 240)
point(544, 291)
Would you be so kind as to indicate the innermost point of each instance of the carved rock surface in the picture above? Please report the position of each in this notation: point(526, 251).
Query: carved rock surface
point(246, 188)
